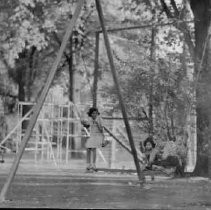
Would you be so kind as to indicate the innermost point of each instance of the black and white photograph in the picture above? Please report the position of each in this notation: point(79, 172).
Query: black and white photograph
point(105, 104)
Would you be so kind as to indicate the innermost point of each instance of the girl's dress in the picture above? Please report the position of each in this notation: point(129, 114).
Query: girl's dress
point(96, 133)
point(151, 157)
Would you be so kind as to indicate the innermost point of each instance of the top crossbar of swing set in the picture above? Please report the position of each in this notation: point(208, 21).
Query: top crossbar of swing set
point(143, 26)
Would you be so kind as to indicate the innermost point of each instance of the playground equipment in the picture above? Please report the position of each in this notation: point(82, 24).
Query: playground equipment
point(52, 131)
point(57, 126)
point(53, 134)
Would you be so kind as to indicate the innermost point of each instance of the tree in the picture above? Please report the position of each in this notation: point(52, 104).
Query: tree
point(197, 40)
point(138, 72)
point(200, 54)
point(202, 18)
point(29, 42)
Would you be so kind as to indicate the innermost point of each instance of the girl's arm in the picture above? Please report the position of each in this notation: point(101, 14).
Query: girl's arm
point(86, 127)
point(85, 123)
point(101, 127)
point(100, 124)
point(153, 155)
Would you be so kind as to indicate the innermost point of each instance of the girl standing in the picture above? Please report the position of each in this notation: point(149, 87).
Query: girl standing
point(96, 139)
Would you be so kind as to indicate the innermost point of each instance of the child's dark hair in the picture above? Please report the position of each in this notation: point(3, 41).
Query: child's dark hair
point(150, 140)
point(91, 110)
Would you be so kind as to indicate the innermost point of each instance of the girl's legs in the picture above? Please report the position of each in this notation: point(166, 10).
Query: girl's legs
point(94, 150)
point(91, 158)
point(88, 158)
point(172, 161)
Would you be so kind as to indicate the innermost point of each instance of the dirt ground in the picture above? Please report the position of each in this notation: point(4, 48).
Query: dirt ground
point(106, 192)
point(43, 185)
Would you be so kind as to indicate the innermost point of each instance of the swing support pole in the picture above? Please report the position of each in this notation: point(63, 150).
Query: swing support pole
point(96, 69)
point(37, 107)
point(123, 109)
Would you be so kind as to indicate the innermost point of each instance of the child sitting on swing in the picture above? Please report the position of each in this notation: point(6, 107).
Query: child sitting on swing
point(150, 152)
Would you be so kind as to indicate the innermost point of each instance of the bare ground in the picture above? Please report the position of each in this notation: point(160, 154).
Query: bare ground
point(45, 186)
point(91, 192)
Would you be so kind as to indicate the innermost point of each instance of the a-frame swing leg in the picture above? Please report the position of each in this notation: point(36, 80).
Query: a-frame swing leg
point(124, 113)
point(96, 69)
point(37, 107)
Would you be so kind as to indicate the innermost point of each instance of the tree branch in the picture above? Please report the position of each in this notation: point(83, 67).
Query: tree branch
point(176, 11)
point(187, 36)
point(182, 26)
point(5, 61)
point(7, 94)
point(31, 60)
point(166, 9)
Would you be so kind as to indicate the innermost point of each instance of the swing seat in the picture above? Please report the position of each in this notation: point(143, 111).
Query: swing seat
point(146, 172)
point(106, 143)
point(156, 171)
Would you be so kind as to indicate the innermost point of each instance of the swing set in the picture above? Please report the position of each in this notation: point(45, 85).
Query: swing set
point(36, 109)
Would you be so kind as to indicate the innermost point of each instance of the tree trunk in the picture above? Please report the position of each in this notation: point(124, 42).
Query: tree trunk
point(21, 91)
point(209, 100)
point(151, 88)
point(22, 67)
point(21, 95)
point(70, 64)
point(203, 109)
point(29, 73)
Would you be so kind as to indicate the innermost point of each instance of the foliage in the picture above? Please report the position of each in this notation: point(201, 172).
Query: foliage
point(162, 78)
point(32, 38)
